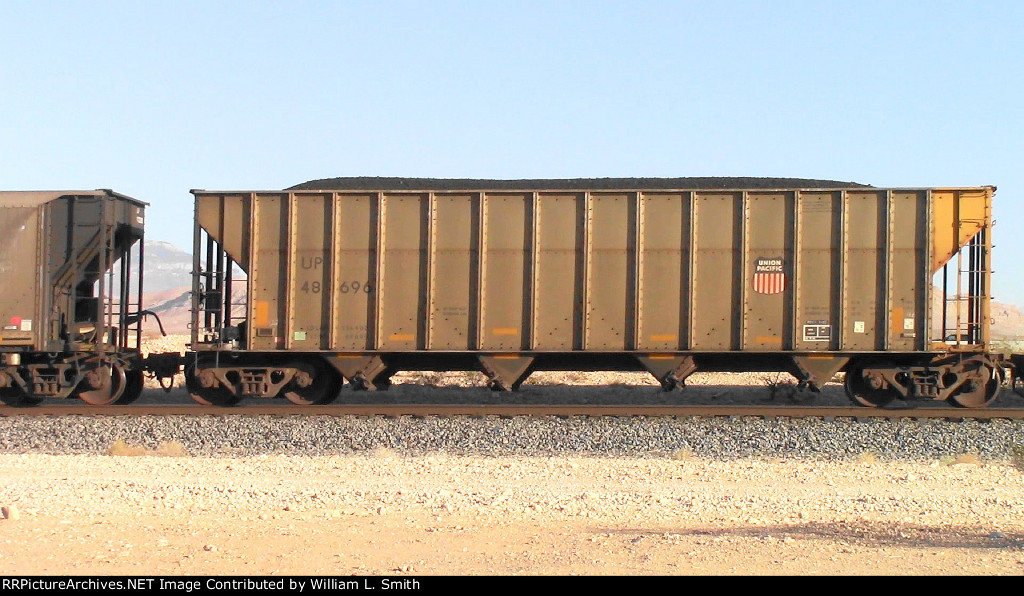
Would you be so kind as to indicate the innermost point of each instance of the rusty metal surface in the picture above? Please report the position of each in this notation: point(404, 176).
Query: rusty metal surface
point(517, 410)
point(66, 306)
point(577, 269)
point(54, 245)
point(34, 198)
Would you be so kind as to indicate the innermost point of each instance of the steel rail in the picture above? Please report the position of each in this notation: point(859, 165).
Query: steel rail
point(453, 410)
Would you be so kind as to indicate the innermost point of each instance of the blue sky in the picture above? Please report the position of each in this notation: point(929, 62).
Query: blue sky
point(154, 99)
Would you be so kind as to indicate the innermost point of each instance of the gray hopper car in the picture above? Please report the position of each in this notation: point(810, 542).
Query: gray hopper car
point(295, 290)
point(67, 328)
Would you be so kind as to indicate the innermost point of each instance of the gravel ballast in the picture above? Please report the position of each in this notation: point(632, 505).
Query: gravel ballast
point(726, 438)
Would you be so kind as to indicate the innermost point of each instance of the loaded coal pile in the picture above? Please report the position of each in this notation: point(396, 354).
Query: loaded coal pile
point(738, 182)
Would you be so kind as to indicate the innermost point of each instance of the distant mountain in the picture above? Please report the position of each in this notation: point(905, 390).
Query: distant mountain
point(167, 267)
point(1008, 322)
point(168, 281)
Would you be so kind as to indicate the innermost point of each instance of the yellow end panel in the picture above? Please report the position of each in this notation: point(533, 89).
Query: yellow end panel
point(208, 214)
point(957, 215)
point(226, 219)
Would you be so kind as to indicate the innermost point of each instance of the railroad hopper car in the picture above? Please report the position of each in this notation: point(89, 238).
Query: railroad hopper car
point(359, 278)
point(67, 328)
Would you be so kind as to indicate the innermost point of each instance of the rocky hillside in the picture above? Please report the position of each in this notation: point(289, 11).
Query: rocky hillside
point(168, 267)
point(1009, 322)
point(1007, 319)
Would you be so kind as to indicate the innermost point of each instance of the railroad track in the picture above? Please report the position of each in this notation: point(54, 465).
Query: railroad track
point(622, 411)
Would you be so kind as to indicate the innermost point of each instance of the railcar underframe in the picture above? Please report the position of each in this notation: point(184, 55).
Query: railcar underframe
point(812, 282)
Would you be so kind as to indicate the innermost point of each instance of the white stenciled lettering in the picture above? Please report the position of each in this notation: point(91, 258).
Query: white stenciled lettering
point(771, 265)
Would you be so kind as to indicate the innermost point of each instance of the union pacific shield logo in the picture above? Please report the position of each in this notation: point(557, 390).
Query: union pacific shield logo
point(769, 276)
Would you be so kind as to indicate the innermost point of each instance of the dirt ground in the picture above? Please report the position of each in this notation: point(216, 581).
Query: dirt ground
point(385, 514)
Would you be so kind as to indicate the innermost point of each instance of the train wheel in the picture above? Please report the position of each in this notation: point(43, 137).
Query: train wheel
point(133, 387)
point(217, 396)
point(313, 384)
point(107, 384)
point(979, 390)
point(865, 389)
point(208, 396)
point(199, 399)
